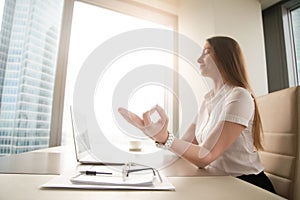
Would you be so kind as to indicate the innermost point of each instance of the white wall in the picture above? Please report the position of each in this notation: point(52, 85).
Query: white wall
point(240, 19)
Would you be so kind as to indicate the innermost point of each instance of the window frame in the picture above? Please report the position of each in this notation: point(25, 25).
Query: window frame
point(289, 42)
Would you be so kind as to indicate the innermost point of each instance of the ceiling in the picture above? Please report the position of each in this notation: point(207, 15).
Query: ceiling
point(267, 3)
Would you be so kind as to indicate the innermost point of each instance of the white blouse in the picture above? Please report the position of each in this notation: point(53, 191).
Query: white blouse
point(233, 104)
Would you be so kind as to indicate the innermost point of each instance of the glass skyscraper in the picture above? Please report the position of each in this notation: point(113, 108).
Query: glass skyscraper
point(28, 52)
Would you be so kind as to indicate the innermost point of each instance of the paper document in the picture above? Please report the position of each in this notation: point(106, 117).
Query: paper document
point(63, 181)
point(134, 179)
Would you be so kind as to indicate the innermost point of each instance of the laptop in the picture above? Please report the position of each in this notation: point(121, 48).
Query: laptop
point(81, 142)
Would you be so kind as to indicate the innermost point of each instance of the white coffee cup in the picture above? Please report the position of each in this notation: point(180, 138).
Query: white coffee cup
point(135, 145)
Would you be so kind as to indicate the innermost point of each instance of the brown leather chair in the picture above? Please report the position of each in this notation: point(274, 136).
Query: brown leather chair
point(280, 113)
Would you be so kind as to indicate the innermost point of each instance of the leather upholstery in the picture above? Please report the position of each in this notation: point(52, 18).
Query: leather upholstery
point(280, 118)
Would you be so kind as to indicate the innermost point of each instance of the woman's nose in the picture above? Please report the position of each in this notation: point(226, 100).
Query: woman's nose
point(200, 59)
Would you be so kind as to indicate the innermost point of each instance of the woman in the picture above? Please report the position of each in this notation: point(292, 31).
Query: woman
point(226, 133)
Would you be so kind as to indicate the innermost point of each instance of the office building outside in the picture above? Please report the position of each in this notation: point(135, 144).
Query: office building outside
point(28, 53)
point(295, 15)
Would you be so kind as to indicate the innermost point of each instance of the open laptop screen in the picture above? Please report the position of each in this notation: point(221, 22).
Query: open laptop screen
point(82, 143)
point(81, 139)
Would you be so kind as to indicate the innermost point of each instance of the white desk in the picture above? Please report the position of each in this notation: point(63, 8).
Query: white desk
point(193, 184)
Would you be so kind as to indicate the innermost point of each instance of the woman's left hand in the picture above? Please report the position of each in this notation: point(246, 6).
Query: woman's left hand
point(157, 130)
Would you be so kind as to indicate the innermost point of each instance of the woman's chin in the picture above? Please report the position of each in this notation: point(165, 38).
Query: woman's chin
point(203, 72)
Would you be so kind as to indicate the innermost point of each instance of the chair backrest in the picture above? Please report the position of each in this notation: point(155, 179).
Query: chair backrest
point(280, 119)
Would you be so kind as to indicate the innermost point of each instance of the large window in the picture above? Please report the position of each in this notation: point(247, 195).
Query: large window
point(29, 38)
point(91, 27)
point(35, 54)
point(291, 24)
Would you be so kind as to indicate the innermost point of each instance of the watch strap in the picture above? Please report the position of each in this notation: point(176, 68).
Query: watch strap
point(168, 143)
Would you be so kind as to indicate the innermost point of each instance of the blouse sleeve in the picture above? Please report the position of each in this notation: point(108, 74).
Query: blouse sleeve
point(239, 107)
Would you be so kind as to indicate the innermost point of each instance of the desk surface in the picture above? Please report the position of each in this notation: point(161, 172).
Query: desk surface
point(191, 183)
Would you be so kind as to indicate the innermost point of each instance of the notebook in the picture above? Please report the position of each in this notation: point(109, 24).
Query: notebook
point(82, 144)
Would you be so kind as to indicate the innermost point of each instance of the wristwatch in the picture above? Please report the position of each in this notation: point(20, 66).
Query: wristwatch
point(168, 143)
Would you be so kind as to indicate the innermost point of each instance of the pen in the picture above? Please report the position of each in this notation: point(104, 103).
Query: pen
point(94, 173)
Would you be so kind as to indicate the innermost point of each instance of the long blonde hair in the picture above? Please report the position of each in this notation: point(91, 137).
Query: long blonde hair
point(232, 66)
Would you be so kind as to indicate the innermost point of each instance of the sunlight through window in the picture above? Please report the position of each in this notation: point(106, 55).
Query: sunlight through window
point(91, 26)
